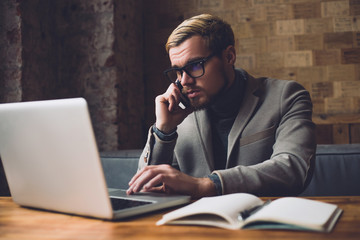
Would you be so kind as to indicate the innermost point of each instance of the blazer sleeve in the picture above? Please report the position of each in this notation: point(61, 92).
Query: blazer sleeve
point(157, 151)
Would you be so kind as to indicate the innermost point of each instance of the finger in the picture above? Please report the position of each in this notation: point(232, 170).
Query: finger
point(172, 103)
point(161, 189)
point(176, 93)
point(167, 179)
point(129, 191)
point(136, 176)
point(158, 189)
point(150, 177)
point(143, 178)
point(159, 179)
point(173, 95)
point(133, 181)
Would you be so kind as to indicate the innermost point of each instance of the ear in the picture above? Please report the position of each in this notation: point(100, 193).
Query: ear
point(230, 55)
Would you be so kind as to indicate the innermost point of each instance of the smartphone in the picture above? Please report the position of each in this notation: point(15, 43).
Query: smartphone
point(184, 101)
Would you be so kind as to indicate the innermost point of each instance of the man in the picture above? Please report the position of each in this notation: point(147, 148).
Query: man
point(240, 133)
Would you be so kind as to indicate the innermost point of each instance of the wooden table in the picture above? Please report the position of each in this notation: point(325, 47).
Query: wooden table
point(23, 223)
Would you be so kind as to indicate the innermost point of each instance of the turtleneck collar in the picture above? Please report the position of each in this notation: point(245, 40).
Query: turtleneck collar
point(227, 103)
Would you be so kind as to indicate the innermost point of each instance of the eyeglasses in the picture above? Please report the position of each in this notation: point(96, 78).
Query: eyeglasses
point(194, 69)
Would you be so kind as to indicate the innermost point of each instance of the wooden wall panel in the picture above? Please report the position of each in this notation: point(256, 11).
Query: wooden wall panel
point(324, 134)
point(307, 10)
point(350, 55)
point(354, 133)
point(338, 133)
point(341, 134)
point(327, 57)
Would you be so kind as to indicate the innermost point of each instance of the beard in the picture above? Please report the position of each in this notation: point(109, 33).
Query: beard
point(208, 99)
point(197, 105)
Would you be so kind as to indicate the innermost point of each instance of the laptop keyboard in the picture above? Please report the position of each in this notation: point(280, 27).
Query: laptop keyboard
point(120, 203)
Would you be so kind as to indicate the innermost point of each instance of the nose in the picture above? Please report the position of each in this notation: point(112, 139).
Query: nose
point(186, 79)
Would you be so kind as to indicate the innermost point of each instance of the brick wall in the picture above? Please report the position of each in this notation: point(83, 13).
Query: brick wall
point(68, 52)
point(10, 64)
point(71, 48)
point(130, 83)
point(10, 52)
point(314, 42)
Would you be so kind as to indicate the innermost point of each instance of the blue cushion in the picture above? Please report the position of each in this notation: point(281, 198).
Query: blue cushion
point(337, 171)
point(120, 166)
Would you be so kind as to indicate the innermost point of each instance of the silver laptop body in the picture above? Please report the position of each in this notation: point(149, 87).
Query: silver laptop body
point(51, 162)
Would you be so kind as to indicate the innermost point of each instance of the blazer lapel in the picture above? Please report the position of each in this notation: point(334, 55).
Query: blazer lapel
point(204, 130)
point(247, 108)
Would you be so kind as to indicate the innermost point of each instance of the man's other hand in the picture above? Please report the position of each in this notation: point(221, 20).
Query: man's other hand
point(166, 179)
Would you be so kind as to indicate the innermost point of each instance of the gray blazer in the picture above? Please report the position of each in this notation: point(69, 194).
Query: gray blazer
point(271, 146)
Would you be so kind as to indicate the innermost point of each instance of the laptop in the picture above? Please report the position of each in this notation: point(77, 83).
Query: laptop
point(51, 162)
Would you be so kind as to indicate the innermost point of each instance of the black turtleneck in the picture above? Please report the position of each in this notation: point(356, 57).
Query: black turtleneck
point(222, 116)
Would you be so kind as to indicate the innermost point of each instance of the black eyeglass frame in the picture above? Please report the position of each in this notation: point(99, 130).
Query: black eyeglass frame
point(183, 69)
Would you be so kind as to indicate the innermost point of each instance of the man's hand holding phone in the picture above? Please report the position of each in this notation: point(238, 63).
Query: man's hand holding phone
point(167, 110)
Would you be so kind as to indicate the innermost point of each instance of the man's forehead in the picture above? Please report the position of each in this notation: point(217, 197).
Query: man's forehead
point(191, 49)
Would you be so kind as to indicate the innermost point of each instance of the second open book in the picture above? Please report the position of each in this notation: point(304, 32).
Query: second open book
point(241, 210)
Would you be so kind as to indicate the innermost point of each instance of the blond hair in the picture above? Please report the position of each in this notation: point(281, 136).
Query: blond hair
point(217, 33)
